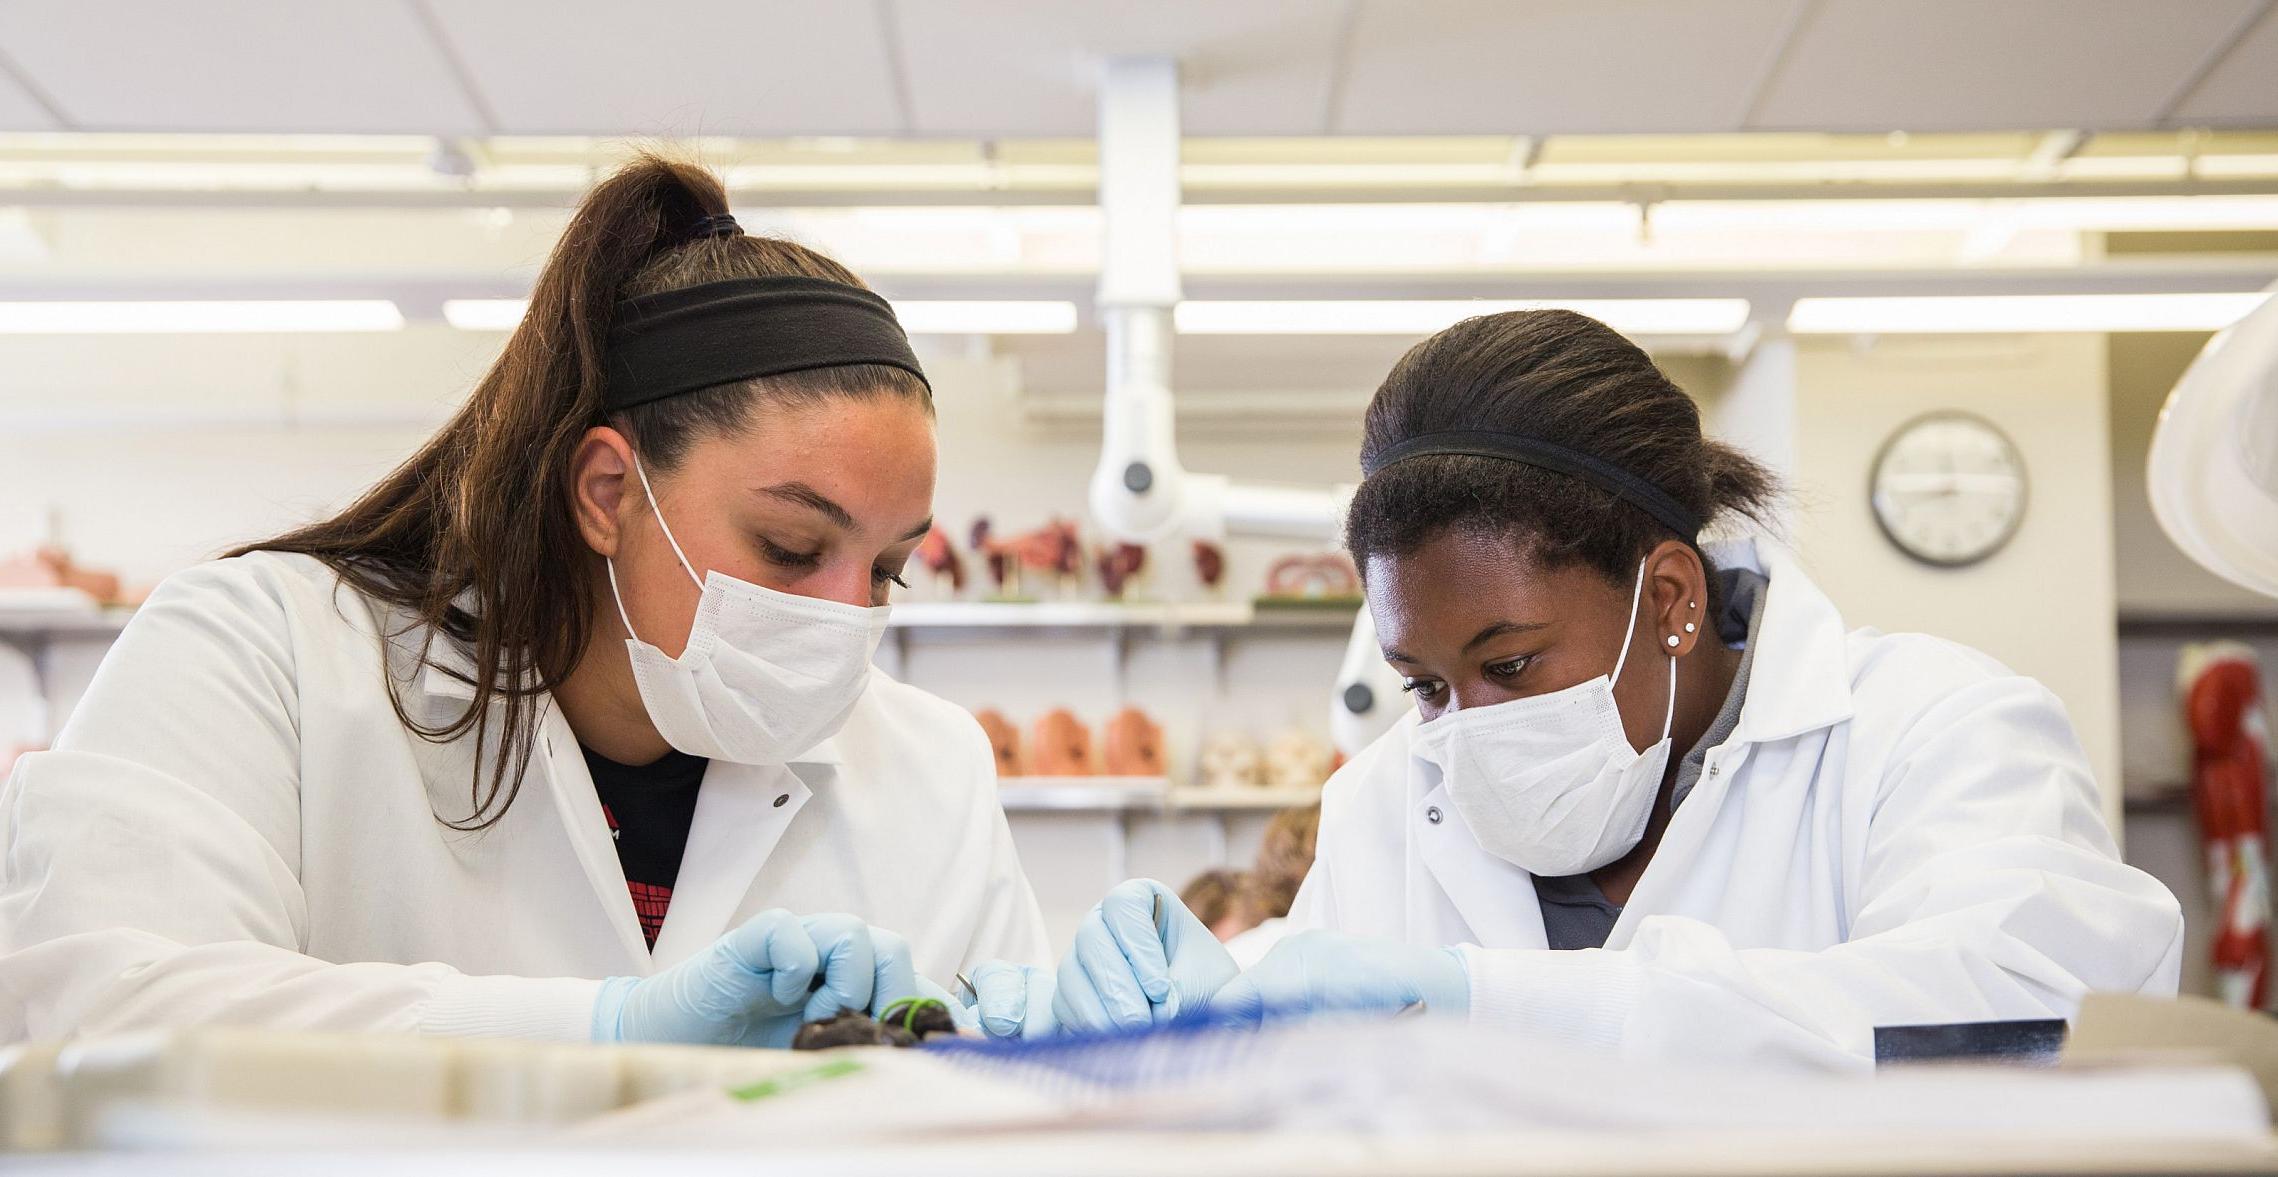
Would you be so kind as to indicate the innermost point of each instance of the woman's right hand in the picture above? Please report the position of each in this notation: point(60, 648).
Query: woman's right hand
point(759, 983)
point(1140, 959)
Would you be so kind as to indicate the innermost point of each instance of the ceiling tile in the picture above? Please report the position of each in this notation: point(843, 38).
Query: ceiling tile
point(19, 111)
point(2242, 89)
point(676, 67)
point(243, 65)
point(1959, 65)
point(1030, 67)
point(1553, 66)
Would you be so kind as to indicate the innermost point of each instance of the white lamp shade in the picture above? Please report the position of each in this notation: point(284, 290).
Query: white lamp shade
point(2213, 470)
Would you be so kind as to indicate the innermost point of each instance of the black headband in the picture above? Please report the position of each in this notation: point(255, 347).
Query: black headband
point(663, 345)
point(1544, 455)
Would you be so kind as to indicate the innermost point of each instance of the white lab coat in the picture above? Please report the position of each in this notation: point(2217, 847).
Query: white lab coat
point(1899, 831)
point(235, 827)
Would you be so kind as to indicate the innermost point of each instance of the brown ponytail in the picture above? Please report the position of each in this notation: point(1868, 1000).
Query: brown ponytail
point(474, 536)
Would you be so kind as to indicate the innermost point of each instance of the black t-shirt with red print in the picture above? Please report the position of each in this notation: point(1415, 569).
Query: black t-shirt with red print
point(650, 808)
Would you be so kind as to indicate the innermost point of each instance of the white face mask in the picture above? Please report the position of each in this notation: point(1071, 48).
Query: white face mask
point(1549, 783)
point(765, 675)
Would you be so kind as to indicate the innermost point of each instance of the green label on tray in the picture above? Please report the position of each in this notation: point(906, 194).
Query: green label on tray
point(782, 1084)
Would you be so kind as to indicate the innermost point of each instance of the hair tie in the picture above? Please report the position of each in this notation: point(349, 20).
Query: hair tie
point(716, 225)
point(1546, 455)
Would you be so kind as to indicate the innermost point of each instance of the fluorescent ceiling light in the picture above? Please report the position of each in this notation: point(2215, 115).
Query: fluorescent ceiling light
point(1974, 314)
point(919, 317)
point(1634, 316)
point(986, 317)
point(484, 314)
point(199, 317)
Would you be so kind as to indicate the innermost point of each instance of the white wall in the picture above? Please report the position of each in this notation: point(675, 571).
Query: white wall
point(2043, 604)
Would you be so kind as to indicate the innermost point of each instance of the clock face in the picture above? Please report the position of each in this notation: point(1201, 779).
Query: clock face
point(1949, 489)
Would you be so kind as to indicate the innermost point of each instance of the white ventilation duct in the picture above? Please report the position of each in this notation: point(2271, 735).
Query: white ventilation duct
point(1140, 491)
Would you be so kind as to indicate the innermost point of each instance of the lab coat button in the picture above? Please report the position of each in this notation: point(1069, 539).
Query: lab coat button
point(779, 801)
point(1432, 815)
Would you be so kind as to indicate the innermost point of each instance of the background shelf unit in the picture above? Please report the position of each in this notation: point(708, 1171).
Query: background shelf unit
point(1007, 618)
point(1090, 794)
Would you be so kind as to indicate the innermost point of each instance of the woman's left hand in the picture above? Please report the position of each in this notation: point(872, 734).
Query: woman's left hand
point(1319, 972)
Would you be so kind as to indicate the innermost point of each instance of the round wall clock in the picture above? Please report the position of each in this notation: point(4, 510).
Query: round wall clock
point(1948, 488)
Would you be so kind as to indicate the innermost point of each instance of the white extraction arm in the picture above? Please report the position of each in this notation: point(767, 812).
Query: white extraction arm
point(2213, 470)
point(1140, 491)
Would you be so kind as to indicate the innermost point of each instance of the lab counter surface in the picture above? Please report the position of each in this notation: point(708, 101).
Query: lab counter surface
point(1411, 1098)
point(1109, 1154)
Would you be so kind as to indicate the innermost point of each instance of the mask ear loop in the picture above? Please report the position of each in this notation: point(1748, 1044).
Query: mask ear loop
point(617, 596)
point(643, 475)
point(1629, 632)
point(1637, 598)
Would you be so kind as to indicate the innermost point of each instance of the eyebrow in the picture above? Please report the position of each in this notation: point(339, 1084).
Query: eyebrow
point(1499, 629)
point(1496, 630)
point(815, 500)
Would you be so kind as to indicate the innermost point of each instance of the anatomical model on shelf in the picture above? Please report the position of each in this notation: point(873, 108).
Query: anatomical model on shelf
point(53, 567)
point(1053, 554)
point(1119, 567)
point(1004, 740)
point(1324, 576)
point(1132, 745)
point(938, 556)
point(1229, 760)
point(1209, 564)
point(1298, 760)
point(1060, 746)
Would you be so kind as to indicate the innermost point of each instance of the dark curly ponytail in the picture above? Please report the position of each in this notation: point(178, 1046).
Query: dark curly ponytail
point(1563, 378)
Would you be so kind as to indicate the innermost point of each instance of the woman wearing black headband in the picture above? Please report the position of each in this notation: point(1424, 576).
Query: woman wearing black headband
point(567, 729)
point(1654, 797)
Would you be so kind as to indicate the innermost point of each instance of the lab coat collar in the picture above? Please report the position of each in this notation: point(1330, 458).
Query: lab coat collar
point(1801, 680)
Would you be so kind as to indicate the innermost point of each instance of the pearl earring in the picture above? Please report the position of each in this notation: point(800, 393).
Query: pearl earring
point(1672, 639)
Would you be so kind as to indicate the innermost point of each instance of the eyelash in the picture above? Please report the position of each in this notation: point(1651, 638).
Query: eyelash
point(784, 557)
point(1509, 668)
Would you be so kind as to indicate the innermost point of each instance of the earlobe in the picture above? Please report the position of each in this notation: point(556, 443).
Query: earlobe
point(599, 476)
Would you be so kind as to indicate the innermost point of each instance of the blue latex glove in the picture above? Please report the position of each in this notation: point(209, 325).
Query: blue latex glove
point(756, 985)
point(1329, 972)
point(1006, 1000)
point(1132, 967)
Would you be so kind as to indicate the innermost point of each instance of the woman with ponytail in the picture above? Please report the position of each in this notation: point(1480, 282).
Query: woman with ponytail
point(567, 729)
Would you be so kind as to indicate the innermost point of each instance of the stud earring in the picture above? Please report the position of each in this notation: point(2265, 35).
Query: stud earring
point(1672, 639)
point(1689, 627)
point(1692, 604)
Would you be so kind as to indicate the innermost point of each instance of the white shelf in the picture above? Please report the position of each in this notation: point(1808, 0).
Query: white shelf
point(57, 612)
point(70, 614)
point(1243, 797)
point(1116, 794)
point(983, 617)
point(1032, 794)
